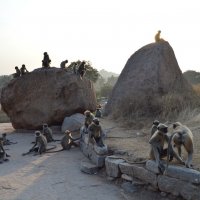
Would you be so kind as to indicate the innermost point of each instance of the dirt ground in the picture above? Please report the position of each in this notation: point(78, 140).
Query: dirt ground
point(57, 176)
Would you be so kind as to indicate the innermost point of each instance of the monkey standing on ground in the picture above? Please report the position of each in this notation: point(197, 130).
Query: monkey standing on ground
point(181, 135)
point(96, 133)
point(157, 141)
point(3, 154)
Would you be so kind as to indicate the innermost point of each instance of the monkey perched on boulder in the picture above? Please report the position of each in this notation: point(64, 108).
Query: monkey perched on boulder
point(88, 119)
point(157, 37)
point(181, 136)
point(3, 154)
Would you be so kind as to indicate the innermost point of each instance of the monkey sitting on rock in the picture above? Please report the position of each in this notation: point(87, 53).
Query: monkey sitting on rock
point(88, 119)
point(3, 154)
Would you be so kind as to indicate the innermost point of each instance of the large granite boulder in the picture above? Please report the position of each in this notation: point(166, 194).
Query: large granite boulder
point(46, 96)
point(150, 84)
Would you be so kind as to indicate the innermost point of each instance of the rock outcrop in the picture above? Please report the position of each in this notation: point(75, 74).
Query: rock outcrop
point(46, 96)
point(151, 83)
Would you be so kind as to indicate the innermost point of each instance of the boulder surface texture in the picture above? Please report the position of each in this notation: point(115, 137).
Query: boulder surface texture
point(46, 96)
point(150, 80)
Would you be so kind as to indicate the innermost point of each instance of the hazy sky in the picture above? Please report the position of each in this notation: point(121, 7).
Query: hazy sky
point(106, 32)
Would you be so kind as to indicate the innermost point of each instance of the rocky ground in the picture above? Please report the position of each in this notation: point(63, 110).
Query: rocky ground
point(57, 176)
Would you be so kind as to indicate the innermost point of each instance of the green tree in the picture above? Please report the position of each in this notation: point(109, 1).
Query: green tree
point(91, 73)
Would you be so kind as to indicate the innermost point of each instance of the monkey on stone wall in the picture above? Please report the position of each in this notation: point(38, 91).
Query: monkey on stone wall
point(95, 133)
point(88, 118)
point(157, 141)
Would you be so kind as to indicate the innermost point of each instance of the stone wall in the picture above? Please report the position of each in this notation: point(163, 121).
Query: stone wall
point(178, 181)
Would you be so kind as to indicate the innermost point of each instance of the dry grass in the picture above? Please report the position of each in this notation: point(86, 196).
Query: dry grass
point(169, 107)
point(196, 89)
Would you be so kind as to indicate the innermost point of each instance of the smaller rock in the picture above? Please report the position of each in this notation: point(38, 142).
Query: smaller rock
point(129, 187)
point(127, 177)
point(163, 194)
point(88, 167)
point(109, 178)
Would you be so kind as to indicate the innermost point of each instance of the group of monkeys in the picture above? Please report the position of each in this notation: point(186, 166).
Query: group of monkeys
point(181, 136)
point(80, 69)
point(91, 127)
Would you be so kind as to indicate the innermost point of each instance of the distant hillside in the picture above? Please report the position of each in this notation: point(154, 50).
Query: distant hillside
point(105, 74)
point(192, 77)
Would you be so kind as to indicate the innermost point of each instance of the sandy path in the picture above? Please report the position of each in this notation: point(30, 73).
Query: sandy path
point(54, 176)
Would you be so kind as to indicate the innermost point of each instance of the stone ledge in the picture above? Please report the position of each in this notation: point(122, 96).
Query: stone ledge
point(138, 171)
point(182, 173)
point(112, 166)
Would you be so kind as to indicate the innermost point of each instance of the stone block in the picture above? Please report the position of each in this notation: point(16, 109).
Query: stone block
point(183, 173)
point(138, 171)
point(112, 166)
point(152, 166)
point(88, 167)
point(127, 177)
point(178, 187)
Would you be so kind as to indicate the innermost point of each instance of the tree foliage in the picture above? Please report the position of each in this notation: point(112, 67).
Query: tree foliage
point(192, 77)
point(91, 73)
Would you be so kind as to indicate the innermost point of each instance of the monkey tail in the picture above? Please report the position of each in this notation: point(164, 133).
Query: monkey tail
point(55, 151)
point(130, 162)
point(53, 147)
point(168, 148)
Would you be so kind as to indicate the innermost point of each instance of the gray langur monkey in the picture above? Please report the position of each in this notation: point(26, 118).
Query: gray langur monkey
point(47, 132)
point(157, 142)
point(96, 133)
point(67, 142)
point(154, 126)
point(3, 154)
point(181, 136)
point(40, 145)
